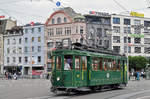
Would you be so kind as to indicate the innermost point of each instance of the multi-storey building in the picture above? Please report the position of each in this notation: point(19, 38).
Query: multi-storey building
point(13, 49)
point(131, 35)
point(33, 48)
point(5, 24)
point(98, 26)
point(63, 23)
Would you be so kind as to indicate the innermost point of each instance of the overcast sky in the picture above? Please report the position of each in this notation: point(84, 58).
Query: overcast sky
point(25, 11)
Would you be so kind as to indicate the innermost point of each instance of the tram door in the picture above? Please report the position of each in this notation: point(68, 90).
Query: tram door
point(88, 70)
point(81, 72)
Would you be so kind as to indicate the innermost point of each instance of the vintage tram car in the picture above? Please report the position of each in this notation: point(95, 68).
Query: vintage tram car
point(90, 68)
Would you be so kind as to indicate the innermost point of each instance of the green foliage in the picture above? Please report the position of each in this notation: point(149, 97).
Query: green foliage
point(137, 62)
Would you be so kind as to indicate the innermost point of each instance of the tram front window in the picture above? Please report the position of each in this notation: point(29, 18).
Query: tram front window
point(58, 65)
point(68, 62)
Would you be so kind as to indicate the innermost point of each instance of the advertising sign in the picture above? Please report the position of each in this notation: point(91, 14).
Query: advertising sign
point(99, 13)
point(2, 16)
point(137, 14)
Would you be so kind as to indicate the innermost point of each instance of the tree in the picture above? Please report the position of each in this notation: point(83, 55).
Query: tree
point(137, 62)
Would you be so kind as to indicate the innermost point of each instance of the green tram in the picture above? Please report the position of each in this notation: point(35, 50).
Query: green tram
point(87, 70)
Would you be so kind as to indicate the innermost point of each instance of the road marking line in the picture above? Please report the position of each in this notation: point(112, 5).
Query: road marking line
point(43, 97)
point(143, 97)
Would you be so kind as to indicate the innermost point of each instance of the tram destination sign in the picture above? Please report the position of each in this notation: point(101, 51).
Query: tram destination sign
point(103, 14)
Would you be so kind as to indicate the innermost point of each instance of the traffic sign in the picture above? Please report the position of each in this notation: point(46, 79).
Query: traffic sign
point(58, 3)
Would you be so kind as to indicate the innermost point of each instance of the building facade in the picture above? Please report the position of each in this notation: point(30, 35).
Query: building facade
point(13, 50)
point(63, 23)
point(98, 26)
point(131, 35)
point(33, 48)
point(5, 24)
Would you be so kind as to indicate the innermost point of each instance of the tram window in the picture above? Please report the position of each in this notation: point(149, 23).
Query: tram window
point(84, 63)
point(106, 64)
point(95, 64)
point(114, 65)
point(109, 64)
point(58, 64)
point(52, 62)
point(77, 62)
point(101, 63)
point(68, 59)
point(118, 65)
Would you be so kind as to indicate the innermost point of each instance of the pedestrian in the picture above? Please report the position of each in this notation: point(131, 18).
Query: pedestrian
point(138, 75)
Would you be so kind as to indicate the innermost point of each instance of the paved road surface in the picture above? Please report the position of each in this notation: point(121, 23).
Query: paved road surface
point(39, 89)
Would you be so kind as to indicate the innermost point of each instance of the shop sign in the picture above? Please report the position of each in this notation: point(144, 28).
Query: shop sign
point(99, 13)
point(136, 14)
point(137, 35)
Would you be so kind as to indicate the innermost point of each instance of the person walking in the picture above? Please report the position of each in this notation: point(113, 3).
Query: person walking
point(138, 75)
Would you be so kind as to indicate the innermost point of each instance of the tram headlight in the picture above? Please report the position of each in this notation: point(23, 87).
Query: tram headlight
point(58, 78)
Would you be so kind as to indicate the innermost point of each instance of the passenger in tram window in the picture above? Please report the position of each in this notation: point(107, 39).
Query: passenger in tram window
point(114, 65)
point(105, 64)
point(66, 65)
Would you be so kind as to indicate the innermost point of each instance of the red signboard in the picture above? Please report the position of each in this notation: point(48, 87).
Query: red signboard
point(37, 72)
point(2, 16)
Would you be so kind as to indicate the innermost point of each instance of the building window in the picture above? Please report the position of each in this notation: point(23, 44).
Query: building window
point(146, 40)
point(39, 48)
point(116, 20)
point(25, 49)
point(26, 30)
point(81, 29)
point(147, 23)
point(125, 39)
point(125, 49)
point(58, 20)
point(39, 29)
point(32, 48)
point(116, 29)
point(19, 40)
point(147, 50)
point(39, 59)
point(8, 50)
point(137, 49)
point(67, 30)
point(8, 41)
point(137, 30)
point(127, 21)
point(50, 32)
point(14, 41)
point(25, 59)
point(39, 39)
point(50, 44)
point(7, 59)
point(58, 31)
point(20, 50)
point(116, 39)
point(137, 22)
point(14, 50)
point(116, 49)
point(127, 30)
point(53, 21)
point(32, 39)
point(14, 59)
point(65, 20)
point(20, 58)
point(26, 40)
point(32, 30)
point(76, 29)
point(99, 32)
point(137, 40)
